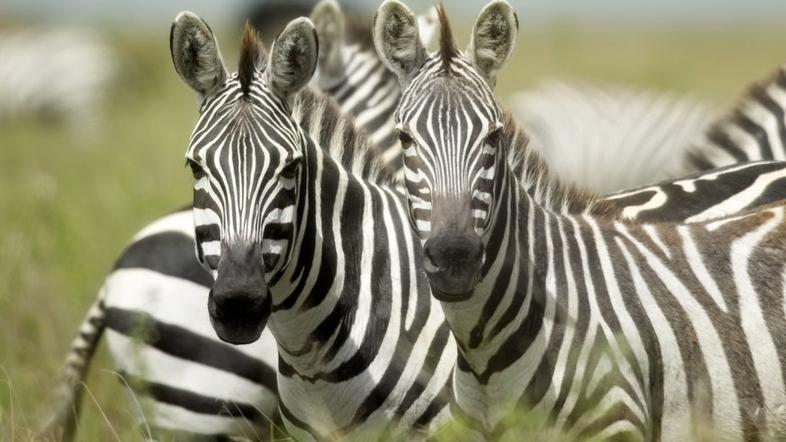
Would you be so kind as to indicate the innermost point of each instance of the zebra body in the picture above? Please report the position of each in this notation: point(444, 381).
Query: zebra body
point(316, 251)
point(610, 328)
point(209, 389)
point(707, 195)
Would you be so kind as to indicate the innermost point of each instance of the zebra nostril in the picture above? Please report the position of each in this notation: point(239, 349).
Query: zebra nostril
point(428, 261)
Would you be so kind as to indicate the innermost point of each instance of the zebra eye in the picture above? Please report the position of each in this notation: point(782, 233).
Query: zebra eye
point(289, 172)
point(405, 139)
point(196, 169)
point(493, 138)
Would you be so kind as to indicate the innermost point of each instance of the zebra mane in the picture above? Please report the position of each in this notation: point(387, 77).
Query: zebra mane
point(447, 44)
point(336, 133)
point(545, 187)
point(253, 57)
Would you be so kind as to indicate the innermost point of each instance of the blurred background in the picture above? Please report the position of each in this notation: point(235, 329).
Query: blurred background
point(94, 123)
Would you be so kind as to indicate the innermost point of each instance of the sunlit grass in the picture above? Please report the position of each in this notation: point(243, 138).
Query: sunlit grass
point(69, 201)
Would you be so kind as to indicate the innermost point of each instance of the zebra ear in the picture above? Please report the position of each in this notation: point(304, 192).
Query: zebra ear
point(329, 23)
point(397, 39)
point(195, 54)
point(293, 58)
point(493, 38)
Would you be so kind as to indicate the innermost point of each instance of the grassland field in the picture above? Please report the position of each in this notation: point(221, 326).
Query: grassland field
point(70, 201)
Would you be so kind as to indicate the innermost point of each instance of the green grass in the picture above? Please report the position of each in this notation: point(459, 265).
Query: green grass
point(70, 201)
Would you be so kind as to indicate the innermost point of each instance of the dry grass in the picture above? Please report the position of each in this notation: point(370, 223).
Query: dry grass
point(71, 201)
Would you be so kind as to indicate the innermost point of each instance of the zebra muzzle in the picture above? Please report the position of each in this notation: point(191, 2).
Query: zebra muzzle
point(239, 302)
point(452, 261)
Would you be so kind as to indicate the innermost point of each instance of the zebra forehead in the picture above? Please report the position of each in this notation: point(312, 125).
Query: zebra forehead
point(464, 83)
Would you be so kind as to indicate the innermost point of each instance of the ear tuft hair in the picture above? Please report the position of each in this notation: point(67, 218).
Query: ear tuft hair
point(493, 38)
point(252, 57)
point(195, 54)
point(293, 58)
point(397, 40)
point(447, 44)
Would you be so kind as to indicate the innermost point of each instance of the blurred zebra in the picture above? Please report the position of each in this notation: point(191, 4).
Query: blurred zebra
point(606, 139)
point(609, 138)
point(611, 329)
point(754, 130)
point(319, 251)
point(59, 73)
point(197, 385)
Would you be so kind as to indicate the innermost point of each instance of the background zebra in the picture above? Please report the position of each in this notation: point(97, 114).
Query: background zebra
point(318, 251)
point(610, 328)
point(58, 73)
point(198, 384)
point(605, 139)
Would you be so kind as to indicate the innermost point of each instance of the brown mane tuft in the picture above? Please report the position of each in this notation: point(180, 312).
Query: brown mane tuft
point(252, 57)
point(447, 44)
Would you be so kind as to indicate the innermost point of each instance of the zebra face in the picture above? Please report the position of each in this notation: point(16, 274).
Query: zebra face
point(246, 155)
point(450, 127)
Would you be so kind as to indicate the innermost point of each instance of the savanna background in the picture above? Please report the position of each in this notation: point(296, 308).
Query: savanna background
point(71, 197)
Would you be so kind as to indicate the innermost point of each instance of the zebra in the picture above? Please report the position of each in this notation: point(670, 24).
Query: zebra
point(607, 138)
point(728, 174)
point(161, 256)
point(610, 328)
point(198, 386)
point(317, 252)
point(61, 73)
point(585, 133)
point(755, 129)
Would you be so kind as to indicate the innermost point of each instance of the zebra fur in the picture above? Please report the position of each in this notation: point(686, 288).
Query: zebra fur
point(610, 328)
point(159, 268)
point(317, 252)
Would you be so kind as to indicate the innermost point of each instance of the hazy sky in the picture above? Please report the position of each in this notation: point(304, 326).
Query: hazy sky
point(156, 12)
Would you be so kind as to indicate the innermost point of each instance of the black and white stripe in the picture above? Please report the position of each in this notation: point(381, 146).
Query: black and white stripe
point(158, 274)
point(325, 251)
point(754, 130)
point(609, 328)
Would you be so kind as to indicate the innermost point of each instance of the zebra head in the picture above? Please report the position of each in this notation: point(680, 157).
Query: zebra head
point(245, 153)
point(450, 127)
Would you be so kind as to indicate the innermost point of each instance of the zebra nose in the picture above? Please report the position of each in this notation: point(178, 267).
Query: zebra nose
point(452, 263)
point(239, 302)
point(238, 316)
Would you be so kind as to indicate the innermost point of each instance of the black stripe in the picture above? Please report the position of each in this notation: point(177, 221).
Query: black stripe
point(185, 344)
point(168, 253)
point(192, 401)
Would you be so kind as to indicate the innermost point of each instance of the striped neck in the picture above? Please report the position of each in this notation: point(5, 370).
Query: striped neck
point(321, 117)
point(517, 304)
point(351, 319)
